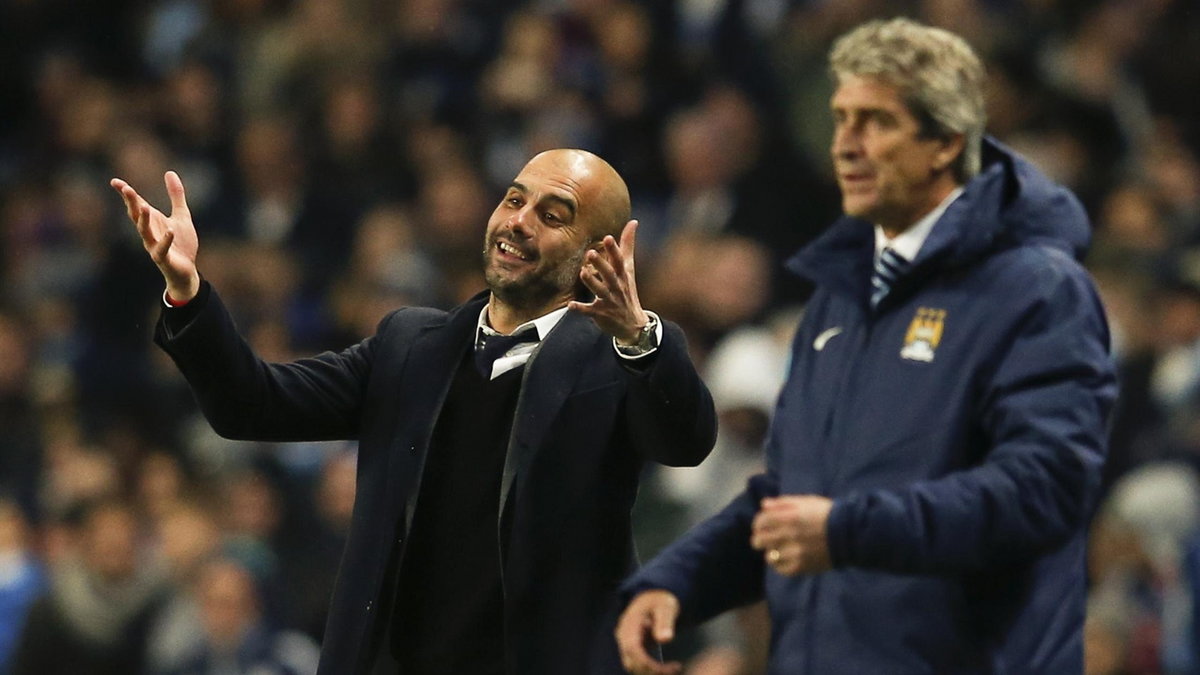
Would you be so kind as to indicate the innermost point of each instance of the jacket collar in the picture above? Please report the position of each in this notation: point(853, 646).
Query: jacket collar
point(549, 378)
point(1009, 202)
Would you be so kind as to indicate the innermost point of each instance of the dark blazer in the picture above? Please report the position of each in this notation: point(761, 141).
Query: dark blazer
point(584, 423)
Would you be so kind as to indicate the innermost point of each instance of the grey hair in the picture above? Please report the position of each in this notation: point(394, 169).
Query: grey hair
point(936, 72)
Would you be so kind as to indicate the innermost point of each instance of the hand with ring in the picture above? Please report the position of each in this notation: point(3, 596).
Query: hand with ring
point(794, 524)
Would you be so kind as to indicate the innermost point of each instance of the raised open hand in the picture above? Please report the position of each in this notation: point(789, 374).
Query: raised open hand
point(608, 273)
point(170, 240)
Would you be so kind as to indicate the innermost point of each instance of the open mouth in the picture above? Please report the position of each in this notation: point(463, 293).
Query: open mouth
point(510, 251)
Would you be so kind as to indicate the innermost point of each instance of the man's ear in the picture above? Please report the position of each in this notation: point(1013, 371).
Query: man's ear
point(951, 149)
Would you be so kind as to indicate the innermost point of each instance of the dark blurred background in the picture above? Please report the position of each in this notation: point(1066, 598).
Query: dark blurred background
point(341, 157)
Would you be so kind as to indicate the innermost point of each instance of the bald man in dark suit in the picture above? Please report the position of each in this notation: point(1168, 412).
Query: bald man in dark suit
point(499, 443)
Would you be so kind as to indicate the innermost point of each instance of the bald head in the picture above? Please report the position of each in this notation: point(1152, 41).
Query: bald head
point(604, 198)
point(562, 203)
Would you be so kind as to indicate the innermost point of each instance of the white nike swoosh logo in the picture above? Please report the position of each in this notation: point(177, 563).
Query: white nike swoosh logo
point(825, 336)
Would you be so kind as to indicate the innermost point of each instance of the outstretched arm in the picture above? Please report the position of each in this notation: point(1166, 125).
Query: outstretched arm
point(170, 240)
point(242, 396)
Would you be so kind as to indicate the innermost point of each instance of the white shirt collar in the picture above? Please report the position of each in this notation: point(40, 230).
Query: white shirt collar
point(909, 242)
point(544, 324)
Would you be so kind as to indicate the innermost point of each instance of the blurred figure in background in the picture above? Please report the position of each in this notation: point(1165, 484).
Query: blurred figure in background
point(187, 537)
point(95, 617)
point(235, 637)
point(713, 283)
point(310, 574)
point(936, 450)
point(20, 431)
point(22, 578)
point(1144, 540)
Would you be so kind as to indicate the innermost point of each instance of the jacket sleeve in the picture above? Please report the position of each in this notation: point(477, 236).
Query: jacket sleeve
point(246, 398)
point(711, 568)
point(1044, 414)
point(669, 409)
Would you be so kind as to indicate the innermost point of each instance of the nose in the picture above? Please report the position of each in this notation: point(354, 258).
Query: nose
point(846, 142)
point(522, 220)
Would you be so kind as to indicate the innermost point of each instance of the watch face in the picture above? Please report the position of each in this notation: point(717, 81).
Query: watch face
point(647, 340)
point(649, 337)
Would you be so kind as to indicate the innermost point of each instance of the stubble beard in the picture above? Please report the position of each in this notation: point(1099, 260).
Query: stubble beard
point(536, 288)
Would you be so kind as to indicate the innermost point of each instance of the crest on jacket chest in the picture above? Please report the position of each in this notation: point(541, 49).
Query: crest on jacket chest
point(924, 334)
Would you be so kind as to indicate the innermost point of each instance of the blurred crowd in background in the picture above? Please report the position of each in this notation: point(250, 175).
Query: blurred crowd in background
point(341, 158)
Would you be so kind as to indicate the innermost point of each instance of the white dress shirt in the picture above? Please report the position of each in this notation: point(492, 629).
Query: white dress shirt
point(520, 353)
point(909, 242)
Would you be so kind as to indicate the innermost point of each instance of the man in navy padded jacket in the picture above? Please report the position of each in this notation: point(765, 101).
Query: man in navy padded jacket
point(936, 451)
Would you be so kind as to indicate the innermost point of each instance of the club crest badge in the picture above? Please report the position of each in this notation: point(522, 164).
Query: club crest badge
point(924, 334)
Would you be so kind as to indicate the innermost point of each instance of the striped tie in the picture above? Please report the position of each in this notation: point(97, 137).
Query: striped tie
point(889, 267)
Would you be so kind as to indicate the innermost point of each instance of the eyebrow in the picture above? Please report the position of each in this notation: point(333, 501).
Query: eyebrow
point(861, 109)
point(568, 204)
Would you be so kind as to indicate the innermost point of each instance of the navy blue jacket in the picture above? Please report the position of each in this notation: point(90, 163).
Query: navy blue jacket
point(584, 423)
point(960, 430)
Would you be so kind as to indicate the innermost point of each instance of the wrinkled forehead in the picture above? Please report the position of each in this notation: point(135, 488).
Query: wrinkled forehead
point(859, 91)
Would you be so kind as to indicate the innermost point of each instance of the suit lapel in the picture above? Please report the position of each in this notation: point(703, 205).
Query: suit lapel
point(549, 378)
point(436, 352)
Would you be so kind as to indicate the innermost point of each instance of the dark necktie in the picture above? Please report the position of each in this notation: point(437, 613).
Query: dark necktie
point(889, 267)
point(488, 348)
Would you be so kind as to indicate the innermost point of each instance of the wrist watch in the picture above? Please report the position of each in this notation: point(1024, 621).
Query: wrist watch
point(647, 339)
